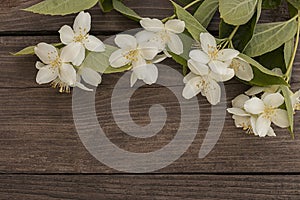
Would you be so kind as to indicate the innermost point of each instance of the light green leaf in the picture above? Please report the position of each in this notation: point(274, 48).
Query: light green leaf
point(99, 61)
point(270, 36)
point(295, 3)
point(106, 5)
point(237, 12)
point(289, 107)
point(206, 11)
point(121, 8)
point(288, 51)
point(191, 23)
point(262, 75)
point(30, 50)
point(61, 7)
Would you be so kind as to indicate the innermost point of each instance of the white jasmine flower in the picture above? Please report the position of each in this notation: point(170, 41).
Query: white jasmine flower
point(89, 76)
point(242, 69)
point(267, 111)
point(200, 80)
point(137, 54)
point(80, 35)
point(55, 64)
point(244, 119)
point(217, 60)
point(164, 34)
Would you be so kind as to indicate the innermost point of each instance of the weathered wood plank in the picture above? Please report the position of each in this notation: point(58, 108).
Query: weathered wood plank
point(13, 19)
point(38, 135)
point(210, 187)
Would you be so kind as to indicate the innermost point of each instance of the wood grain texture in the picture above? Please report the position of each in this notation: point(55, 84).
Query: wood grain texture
point(152, 187)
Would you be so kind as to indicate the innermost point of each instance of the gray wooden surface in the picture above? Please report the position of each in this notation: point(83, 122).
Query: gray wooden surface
point(42, 157)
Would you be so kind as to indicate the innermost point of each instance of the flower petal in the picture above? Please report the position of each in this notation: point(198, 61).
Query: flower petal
point(66, 34)
point(70, 52)
point(153, 25)
point(175, 44)
point(94, 44)
point(262, 126)
point(207, 42)
point(254, 106)
point(148, 50)
point(67, 74)
point(147, 73)
point(126, 42)
point(198, 68)
point(274, 100)
point(188, 77)
point(46, 74)
point(243, 70)
point(271, 132)
point(280, 118)
point(39, 65)
point(241, 122)
point(82, 23)
point(221, 69)
point(144, 36)
point(212, 91)
point(239, 101)
point(229, 74)
point(46, 52)
point(133, 79)
point(227, 54)
point(253, 125)
point(117, 59)
point(238, 112)
point(80, 57)
point(83, 87)
point(90, 76)
point(175, 26)
point(254, 90)
point(199, 56)
point(192, 88)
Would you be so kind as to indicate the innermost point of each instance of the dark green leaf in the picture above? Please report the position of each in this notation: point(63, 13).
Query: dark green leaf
point(295, 3)
point(191, 24)
point(271, 4)
point(128, 12)
point(106, 5)
point(206, 11)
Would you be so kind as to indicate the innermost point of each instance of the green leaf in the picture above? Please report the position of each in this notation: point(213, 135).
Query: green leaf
point(106, 5)
point(30, 50)
point(99, 61)
point(270, 36)
point(295, 3)
point(271, 4)
point(273, 59)
point(206, 12)
point(61, 7)
point(191, 23)
point(263, 76)
point(289, 107)
point(237, 12)
point(242, 36)
point(288, 51)
point(292, 10)
point(128, 12)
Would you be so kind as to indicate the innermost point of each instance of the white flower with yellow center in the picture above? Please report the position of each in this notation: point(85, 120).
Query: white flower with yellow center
point(137, 54)
point(242, 69)
point(243, 119)
point(163, 34)
point(55, 64)
point(80, 35)
point(201, 80)
point(218, 60)
point(268, 111)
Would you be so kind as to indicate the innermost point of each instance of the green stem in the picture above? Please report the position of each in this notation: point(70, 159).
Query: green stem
point(290, 67)
point(185, 8)
point(229, 39)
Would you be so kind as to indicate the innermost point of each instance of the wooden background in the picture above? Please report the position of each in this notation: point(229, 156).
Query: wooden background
point(42, 157)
